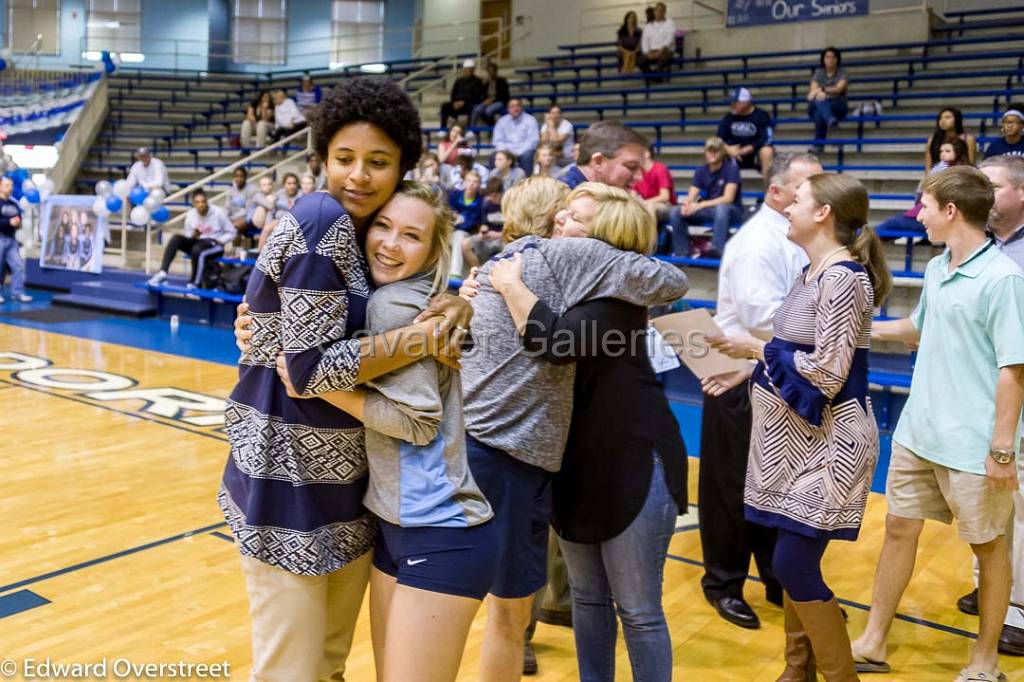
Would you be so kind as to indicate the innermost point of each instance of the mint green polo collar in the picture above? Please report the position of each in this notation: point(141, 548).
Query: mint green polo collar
point(974, 265)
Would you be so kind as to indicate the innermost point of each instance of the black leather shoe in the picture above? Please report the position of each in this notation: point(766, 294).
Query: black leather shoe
point(737, 612)
point(1011, 642)
point(969, 603)
point(560, 618)
point(529, 660)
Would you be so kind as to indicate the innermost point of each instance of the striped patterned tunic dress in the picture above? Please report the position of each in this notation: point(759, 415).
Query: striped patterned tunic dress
point(814, 442)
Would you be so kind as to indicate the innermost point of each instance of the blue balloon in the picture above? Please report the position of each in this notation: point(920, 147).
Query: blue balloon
point(33, 196)
point(108, 62)
point(114, 203)
point(3, 63)
point(161, 215)
point(138, 195)
point(21, 174)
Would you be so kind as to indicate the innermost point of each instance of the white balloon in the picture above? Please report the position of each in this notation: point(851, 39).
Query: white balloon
point(44, 194)
point(27, 185)
point(151, 204)
point(121, 189)
point(103, 188)
point(158, 194)
point(99, 207)
point(24, 203)
point(46, 186)
point(139, 216)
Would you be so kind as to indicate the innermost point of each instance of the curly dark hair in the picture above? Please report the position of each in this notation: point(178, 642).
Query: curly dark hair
point(376, 100)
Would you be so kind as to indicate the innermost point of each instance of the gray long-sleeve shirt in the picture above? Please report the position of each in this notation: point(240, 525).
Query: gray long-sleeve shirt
point(415, 438)
point(523, 404)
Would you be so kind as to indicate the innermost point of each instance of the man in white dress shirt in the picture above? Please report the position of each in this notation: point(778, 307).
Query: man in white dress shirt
point(757, 271)
point(287, 117)
point(658, 43)
point(148, 172)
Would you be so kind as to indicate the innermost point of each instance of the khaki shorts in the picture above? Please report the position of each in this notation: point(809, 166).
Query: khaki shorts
point(920, 489)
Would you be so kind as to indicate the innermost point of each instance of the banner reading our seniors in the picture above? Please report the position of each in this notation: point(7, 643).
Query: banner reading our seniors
point(760, 12)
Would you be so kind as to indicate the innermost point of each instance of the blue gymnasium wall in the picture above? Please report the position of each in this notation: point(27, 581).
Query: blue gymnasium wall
point(195, 23)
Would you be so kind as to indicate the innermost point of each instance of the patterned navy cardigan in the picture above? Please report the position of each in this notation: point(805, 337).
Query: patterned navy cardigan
point(293, 486)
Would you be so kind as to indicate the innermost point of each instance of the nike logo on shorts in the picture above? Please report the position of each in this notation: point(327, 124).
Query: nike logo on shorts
point(413, 562)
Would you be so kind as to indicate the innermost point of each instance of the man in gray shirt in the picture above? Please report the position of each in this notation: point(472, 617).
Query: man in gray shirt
point(518, 409)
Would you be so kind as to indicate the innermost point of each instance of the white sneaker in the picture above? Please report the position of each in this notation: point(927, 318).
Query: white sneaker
point(191, 285)
point(24, 298)
point(157, 279)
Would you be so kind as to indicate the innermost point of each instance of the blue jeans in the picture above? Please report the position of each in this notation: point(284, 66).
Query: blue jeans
point(11, 257)
point(822, 113)
point(488, 112)
point(624, 574)
point(720, 217)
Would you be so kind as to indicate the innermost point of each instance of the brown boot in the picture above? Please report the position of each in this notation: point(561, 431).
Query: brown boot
point(799, 655)
point(824, 625)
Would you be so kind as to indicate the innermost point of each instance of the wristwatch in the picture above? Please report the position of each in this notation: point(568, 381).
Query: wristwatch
point(1002, 456)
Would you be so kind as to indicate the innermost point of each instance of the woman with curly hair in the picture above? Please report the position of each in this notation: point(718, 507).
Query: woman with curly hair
point(294, 483)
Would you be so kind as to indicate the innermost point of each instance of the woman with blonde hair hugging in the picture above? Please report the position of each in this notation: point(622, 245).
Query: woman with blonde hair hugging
point(435, 558)
point(623, 475)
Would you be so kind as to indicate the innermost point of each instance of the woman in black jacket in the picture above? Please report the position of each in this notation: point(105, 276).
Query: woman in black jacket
point(623, 476)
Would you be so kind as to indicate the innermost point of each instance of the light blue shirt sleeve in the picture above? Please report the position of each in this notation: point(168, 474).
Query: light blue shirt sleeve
point(1006, 320)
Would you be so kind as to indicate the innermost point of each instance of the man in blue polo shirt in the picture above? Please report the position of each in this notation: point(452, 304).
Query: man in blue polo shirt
point(954, 449)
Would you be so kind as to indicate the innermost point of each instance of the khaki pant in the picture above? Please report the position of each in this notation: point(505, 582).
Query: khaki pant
point(302, 626)
point(1015, 614)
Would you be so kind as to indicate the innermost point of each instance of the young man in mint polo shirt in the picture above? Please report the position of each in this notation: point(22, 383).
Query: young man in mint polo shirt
point(953, 452)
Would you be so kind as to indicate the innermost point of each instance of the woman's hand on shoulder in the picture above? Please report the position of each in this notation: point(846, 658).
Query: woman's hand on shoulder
point(470, 286)
point(507, 273)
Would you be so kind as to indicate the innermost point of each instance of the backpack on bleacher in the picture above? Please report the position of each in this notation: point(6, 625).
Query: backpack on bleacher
point(234, 278)
point(873, 108)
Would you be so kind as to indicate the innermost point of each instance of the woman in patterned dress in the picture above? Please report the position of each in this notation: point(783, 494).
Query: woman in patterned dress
point(814, 442)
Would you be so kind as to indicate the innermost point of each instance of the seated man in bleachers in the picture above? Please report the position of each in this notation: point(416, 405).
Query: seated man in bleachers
point(1012, 141)
point(308, 95)
point(658, 43)
point(747, 132)
point(148, 172)
point(558, 132)
point(287, 117)
point(658, 191)
point(714, 197)
point(207, 232)
point(495, 98)
point(467, 92)
point(517, 132)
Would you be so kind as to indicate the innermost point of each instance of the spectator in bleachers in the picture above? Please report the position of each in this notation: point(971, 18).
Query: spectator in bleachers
point(264, 202)
point(10, 250)
point(287, 117)
point(557, 132)
point(259, 121)
point(448, 148)
point(546, 161)
point(288, 194)
point(315, 167)
point(487, 241)
point(468, 205)
point(495, 98)
point(427, 170)
point(467, 92)
point(241, 199)
point(611, 153)
point(452, 175)
point(307, 184)
point(951, 153)
point(658, 192)
point(747, 132)
point(308, 95)
point(827, 95)
point(628, 42)
point(658, 43)
point(949, 125)
point(1012, 142)
point(148, 172)
point(714, 197)
point(518, 133)
point(207, 231)
point(506, 169)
